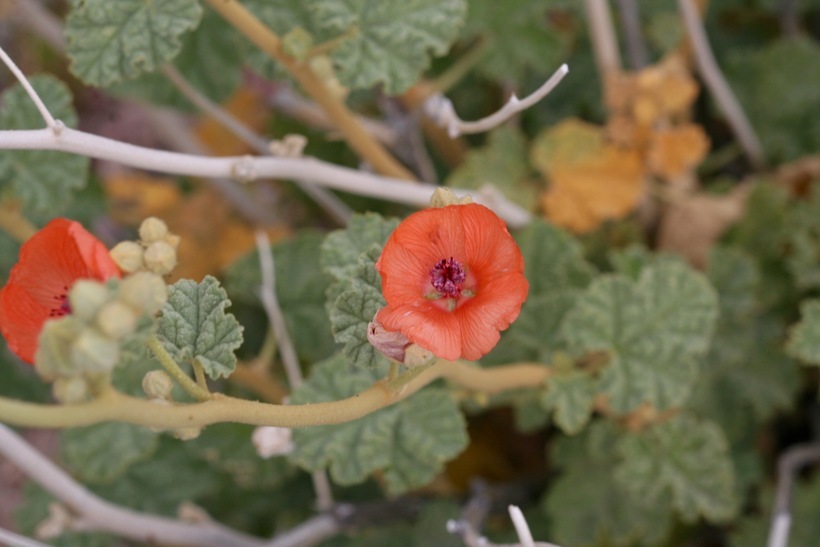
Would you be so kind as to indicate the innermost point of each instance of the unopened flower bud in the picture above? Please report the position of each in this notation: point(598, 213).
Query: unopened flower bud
point(172, 240)
point(73, 389)
point(160, 257)
point(127, 255)
point(86, 297)
point(187, 433)
point(157, 385)
point(92, 351)
point(52, 359)
point(152, 229)
point(391, 344)
point(272, 441)
point(116, 320)
point(144, 291)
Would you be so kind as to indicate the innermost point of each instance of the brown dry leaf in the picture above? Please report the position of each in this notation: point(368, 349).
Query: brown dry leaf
point(673, 152)
point(669, 84)
point(591, 181)
point(246, 106)
point(692, 224)
point(134, 196)
point(212, 235)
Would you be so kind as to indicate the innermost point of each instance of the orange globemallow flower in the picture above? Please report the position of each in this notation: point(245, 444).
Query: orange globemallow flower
point(453, 277)
point(49, 264)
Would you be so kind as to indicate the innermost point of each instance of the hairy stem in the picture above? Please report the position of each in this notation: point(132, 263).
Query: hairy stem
point(116, 406)
point(359, 139)
point(171, 367)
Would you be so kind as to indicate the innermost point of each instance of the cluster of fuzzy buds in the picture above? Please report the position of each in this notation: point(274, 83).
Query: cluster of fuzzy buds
point(155, 252)
point(83, 347)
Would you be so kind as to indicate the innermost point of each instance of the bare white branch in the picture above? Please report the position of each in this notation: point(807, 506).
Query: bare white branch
point(15, 540)
point(247, 168)
point(102, 515)
point(521, 526)
point(440, 109)
point(55, 125)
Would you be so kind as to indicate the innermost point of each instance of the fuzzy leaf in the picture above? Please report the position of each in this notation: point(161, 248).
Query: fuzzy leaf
point(684, 460)
point(43, 180)
point(355, 308)
point(570, 397)
point(801, 232)
point(194, 325)
point(410, 441)
point(113, 41)
point(503, 164)
point(804, 338)
point(341, 249)
point(654, 330)
point(101, 453)
point(390, 41)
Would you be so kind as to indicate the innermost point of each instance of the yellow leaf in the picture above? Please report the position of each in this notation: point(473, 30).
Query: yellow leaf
point(675, 151)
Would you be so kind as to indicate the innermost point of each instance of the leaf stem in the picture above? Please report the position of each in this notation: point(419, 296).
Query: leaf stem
point(357, 137)
point(116, 406)
point(199, 374)
point(171, 366)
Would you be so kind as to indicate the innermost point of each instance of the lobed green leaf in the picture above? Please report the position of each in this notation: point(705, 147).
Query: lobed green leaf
point(113, 41)
point(194, 326)
point(100, 453)
point(43, 181)
point(570, 397)
point(804, 338)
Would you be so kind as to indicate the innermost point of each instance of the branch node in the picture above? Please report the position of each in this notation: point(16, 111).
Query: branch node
point(244, 170)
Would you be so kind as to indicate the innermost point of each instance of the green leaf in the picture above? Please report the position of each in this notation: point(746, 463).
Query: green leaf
point(300, 288)
point(804, 338)
point(587, 506)
point(388, 41)
point(775, 86)
point(684, 460)
point(194, 326)
point(341, 249)
point(553, 259)
point(654, 329)
point(502, 163)
point(736, 278)
point(43, 180)
point(409, 441)
point(521, 36)
point(355, 308)
point(801, 232)
point(570, 397)
point(113, 41)
point(101, 453)
point(228, 448)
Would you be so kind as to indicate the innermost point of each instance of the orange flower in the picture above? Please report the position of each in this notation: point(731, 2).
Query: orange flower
point(49, 264)
point(453, 277)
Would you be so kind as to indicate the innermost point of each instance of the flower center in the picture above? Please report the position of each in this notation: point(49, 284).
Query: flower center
point(448, 277)
point(62, 307)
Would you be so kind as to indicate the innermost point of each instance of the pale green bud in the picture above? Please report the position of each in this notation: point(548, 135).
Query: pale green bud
point(86, 297)
point(160, 257)
point(127, 255)
point(442, 197)
point(92, 351)
point(172, 240)
point(152, 229)
point(157, 385)
point(70, 389)
point(116, 320)
point(52, 359)
point(144, 291)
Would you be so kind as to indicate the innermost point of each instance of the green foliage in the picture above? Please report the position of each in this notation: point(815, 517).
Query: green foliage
point(775, 87)
point(409, 441)
point(502, 163)
point(685, 460)
point(390, 41)
point(113, 41)
point(804, 339)
point(355, 307)
point(35, 509)
point(801, 234)
point(43, 181)
point(194, 326)
point(300, 289)
point(520, 36)
point(570, 396)
point(100, 453)
point(654, 330)
point(341, 249)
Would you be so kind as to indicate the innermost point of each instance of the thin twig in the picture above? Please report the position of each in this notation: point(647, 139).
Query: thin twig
point(789, 464)
point(602, 36)
point(102, 515)
point(635, 44)
point(54, 125)
point(332, 204)
point(441, 109)
point(11, 539)
point(717, 84)
point(267, 293)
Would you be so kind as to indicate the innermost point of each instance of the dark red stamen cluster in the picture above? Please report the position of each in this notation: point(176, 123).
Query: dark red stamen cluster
point(63, 308)
point(448, 277)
